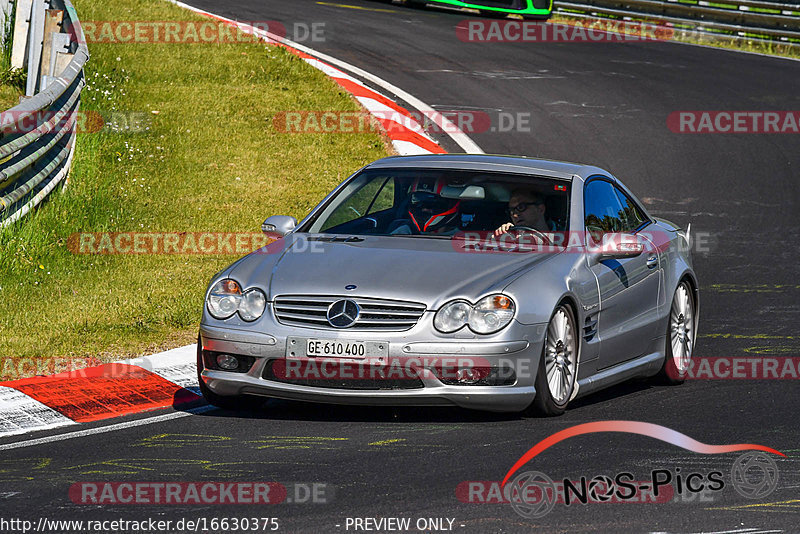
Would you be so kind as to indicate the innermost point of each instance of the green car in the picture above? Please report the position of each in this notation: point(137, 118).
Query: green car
point(534, 9)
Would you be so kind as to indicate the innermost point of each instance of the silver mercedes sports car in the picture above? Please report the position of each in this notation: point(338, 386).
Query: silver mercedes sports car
point(488, 282)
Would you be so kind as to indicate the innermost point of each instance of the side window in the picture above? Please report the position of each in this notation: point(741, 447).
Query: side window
point(375, 195)
point(384, 199)
point(602, 209)
point(632, 216)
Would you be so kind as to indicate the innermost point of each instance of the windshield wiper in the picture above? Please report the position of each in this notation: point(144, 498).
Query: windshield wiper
point(336, 238)
point(424, 236)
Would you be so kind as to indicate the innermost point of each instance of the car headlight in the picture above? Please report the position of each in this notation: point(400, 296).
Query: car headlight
point(252, 305)
point(489, 315)
point(226, 298)
point(452, 316)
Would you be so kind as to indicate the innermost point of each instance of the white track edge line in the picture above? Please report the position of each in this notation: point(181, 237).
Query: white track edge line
point(104, 429)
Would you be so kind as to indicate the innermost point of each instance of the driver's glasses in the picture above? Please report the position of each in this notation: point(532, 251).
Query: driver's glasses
point(522, 206)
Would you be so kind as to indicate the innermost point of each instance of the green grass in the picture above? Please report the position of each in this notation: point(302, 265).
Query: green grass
point(9, 95)
point(12, 81)
point(208, 160)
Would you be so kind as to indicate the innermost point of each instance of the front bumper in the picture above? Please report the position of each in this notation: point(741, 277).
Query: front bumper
point(519, 350)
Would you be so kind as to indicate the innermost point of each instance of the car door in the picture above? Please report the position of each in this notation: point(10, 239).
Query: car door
point(628, 287)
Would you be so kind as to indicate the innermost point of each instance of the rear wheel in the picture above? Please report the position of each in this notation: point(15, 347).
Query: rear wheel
point(680, 336)
point(236, 402)
point(558, 366)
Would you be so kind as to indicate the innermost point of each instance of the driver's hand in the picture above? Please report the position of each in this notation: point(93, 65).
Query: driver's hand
point(503, 229)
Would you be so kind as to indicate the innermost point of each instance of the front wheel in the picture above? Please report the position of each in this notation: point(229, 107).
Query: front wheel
point(680, 336)
point(558, 366)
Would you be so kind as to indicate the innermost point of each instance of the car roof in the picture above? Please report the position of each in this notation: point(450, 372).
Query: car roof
point(492, 163)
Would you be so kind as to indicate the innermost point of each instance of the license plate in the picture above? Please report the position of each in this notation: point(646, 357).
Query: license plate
point(335, 348)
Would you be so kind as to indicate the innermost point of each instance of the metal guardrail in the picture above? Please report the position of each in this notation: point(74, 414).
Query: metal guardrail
point(37, 137)
point(754, 20)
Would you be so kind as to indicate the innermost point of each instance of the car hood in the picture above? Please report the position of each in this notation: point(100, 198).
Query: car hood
point(430, 271)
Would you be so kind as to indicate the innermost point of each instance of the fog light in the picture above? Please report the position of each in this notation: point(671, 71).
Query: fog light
point(476, 376)
point(227, 362)
point(468, 376)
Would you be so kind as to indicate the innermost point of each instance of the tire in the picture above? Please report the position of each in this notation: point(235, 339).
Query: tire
point(236, 402)
point(680, 336)
point(560, 356)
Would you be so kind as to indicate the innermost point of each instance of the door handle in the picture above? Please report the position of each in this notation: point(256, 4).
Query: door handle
point(652, 262)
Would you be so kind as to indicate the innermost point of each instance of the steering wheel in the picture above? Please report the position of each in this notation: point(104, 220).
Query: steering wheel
point(533, 231)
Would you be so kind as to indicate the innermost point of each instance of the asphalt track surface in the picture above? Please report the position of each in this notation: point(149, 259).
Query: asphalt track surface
point(598, 103)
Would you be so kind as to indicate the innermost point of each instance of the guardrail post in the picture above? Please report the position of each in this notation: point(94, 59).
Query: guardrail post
point(53, 19)
point(59, 57)
point(19, 41)
point(6, 9)
point(35, 40)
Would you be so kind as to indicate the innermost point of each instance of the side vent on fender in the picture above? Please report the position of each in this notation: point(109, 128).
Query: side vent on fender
point(590, 327)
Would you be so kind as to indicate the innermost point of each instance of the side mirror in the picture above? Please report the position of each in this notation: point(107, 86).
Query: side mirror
point(618, 251)
point(616, 246)
point(279, 224)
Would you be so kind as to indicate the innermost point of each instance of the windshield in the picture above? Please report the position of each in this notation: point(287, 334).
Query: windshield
point(443, 202)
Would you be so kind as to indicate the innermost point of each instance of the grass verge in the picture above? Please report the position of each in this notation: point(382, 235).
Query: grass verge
point(202, 157)
point(12, 81)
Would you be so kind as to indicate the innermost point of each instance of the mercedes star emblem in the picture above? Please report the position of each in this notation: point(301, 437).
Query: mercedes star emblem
point(343, 313)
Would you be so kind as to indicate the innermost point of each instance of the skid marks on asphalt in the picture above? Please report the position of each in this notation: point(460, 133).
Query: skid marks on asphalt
point(217, 442)
point(734, 531)
point(753, 345)
point(38, 469)
point(23, 469)
point(752, 288)
point(385, 442)
point(790, 506)
point(316, 443)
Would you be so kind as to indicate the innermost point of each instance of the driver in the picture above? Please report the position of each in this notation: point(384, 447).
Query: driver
point(430, 212)
point(526, 208)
